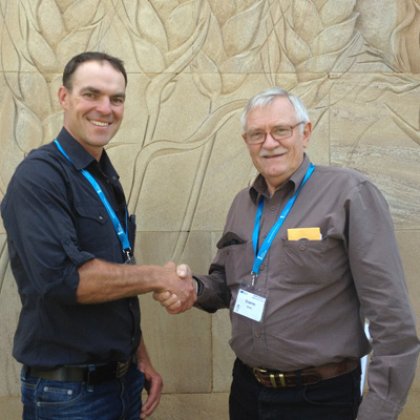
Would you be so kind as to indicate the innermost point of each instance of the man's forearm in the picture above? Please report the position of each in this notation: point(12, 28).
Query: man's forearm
point(101, 281)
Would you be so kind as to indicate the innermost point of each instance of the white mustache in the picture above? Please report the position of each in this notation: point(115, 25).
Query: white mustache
point(269, 153)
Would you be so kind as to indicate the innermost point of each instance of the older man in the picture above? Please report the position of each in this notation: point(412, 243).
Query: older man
point(307, 254)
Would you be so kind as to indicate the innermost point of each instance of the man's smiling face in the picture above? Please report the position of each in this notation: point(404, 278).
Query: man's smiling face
point(94, 106)
point(276, 160)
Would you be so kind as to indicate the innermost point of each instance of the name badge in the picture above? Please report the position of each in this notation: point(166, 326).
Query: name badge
point(249, 305)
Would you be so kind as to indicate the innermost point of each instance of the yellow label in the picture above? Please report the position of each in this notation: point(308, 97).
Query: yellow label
point(310, 233)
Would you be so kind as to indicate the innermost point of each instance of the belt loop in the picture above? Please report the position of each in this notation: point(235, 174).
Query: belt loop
point(24, 372)
point(90, 387)
point(299, 378)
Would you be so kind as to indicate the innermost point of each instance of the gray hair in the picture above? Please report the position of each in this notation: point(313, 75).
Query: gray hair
point(267, 96)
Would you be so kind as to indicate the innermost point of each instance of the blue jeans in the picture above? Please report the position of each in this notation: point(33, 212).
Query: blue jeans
point(118, 399)
point(332, 399)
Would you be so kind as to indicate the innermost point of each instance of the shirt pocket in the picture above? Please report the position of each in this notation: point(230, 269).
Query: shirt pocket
point(92, 213)
point(94, 227)
point(306, 262)
point(238, 260)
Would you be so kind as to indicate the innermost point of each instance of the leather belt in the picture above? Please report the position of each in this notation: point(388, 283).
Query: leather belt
point(91, 374)
point(309, 376)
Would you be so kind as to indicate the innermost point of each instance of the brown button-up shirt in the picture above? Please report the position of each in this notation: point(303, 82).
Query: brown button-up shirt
point(319, 292)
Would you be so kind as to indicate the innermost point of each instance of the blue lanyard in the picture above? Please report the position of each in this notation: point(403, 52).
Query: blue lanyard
point(121, 233)
point(266, 245)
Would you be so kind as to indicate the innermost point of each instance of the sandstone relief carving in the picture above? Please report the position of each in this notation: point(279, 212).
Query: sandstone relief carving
point(192, 65)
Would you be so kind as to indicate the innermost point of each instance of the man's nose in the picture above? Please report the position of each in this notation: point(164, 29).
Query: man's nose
point(270, 142)
point(104, 105)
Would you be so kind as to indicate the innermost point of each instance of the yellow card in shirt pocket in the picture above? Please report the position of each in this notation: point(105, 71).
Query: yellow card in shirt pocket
point(310, 233)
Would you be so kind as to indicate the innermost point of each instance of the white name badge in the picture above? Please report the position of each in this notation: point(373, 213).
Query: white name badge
point(250, 305)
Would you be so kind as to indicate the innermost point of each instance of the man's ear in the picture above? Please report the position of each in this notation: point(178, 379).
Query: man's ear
point(63, 94)
point(307, 132)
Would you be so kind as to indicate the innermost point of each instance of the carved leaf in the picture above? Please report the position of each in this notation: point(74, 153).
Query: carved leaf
point(240, 30)
point(168, 91)
point(28, 128)
point(182, 22)
point(10, 62)
point(41, 52)
point(272, 56)
point(335, 11)
point(150, 26)
point(149, 57)
point(73, 43)
point(80, 13)
point(306, 20)
point(405, 39)
point(297, 49)
point(335, 37)
point(207, 76)
point(50, 21)
point(36, 94)
point(222, 10)
point(215, 48)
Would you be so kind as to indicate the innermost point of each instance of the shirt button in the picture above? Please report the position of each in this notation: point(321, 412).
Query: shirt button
point(273, 208)
point(100, 218)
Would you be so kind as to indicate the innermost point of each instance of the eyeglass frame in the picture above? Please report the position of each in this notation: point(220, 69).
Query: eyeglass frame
point(264, 138)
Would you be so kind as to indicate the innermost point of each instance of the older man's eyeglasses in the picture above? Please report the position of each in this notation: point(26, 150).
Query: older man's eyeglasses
point(279, 132)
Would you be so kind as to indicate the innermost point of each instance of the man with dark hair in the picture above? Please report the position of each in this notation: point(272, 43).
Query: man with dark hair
point(307, 254)
point(97, 56)
point(71, 241)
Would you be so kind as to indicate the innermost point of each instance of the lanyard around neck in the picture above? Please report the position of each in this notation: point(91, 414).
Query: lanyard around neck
point(121, 233)
point(261, 253)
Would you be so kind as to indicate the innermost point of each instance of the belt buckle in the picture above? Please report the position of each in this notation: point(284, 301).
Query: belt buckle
point(277, 379)
point(257, 372)
point(121, 368)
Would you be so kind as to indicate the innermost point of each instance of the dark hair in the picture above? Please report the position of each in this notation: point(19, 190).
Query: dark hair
point(75, 62)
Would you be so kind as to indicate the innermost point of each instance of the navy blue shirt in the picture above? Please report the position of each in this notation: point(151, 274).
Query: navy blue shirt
point(55, 222)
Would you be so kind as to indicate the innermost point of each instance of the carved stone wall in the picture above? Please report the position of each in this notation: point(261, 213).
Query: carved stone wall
point(192, 65)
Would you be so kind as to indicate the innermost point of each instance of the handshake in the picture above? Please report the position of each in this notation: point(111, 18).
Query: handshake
point(181, 292)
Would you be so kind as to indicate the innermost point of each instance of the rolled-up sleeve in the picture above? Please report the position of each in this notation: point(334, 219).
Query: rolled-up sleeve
point(42, 239)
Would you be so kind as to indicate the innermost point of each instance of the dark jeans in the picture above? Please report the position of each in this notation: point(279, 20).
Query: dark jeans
point(118, 399)
point(333, 399)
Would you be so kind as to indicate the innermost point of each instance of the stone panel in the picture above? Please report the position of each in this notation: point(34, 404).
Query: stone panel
point(385, 142)
point(180, 346)
point(192, 407)
point(223, 356)
point(11, 408)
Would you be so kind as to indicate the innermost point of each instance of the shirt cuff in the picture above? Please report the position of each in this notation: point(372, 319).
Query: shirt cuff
point(198, 286)
point(375, 408)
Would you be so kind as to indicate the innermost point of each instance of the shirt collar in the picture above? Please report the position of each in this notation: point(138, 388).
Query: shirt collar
point(259, 187)
point(80, 158)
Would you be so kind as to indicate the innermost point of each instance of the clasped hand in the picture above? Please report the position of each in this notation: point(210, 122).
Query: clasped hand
point(181, 298)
